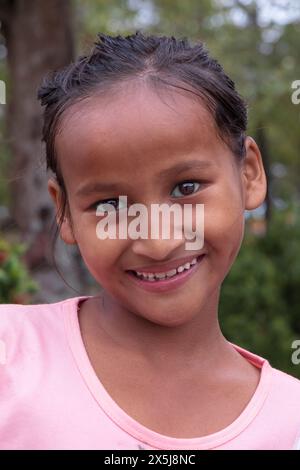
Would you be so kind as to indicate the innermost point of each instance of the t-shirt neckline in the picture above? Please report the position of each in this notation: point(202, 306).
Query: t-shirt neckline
point(138, 430)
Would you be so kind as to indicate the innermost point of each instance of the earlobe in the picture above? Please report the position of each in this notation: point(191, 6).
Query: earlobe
point(254, 177)
point(65, 227)
point(66, 232)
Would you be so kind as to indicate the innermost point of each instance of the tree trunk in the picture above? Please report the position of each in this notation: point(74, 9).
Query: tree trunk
point(39, 38)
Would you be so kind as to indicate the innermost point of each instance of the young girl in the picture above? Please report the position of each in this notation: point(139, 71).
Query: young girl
point(144, 365)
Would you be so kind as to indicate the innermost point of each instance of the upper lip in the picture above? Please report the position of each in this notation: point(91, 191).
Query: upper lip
point(162, 268)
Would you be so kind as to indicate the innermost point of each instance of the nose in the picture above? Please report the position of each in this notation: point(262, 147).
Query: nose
point(159, 245)
point(163, 237)
point(156, 249)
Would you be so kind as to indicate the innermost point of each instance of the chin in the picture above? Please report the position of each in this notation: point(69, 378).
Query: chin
point(170, 321)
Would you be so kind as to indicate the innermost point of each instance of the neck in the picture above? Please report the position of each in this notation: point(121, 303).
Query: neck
point(200, 341)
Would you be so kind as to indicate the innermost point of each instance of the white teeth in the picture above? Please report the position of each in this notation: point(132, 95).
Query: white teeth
point(171, 273)
point(155, 276)
point(160, 275)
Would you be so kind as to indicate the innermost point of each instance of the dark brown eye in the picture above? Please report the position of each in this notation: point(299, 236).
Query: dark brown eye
point(186, 188)
point(107, 205)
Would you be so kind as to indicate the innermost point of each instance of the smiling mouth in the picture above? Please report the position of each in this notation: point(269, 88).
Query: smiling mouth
point(161, 276)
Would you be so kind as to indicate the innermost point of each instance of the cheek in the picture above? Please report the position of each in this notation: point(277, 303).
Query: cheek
point(223, 235)
point(224, 222)
point(100, 256)
point(223, 225)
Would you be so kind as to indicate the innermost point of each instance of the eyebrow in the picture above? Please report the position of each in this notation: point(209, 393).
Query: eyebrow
point(184, 166)
point(102, 186)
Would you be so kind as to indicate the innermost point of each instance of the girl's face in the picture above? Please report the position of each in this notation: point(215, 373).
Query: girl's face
point(142, 145)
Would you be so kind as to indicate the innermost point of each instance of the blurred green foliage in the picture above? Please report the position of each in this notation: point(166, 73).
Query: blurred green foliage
point(16, 285)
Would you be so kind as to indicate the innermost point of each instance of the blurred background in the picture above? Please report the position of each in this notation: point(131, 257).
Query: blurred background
point(258, 43)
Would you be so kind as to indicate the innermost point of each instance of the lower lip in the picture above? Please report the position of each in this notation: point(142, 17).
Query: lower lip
point(167, 284)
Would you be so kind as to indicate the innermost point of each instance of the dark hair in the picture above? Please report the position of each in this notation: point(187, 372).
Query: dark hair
point(161, 61)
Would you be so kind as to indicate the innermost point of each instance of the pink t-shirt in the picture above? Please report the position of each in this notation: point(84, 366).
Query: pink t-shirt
point(51, 398)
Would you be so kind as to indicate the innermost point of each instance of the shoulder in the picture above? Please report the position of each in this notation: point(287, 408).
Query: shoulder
point(33, 358)
point(32, 339)
point(281, 382)
point(286, 385)
point(276, 402)
point(285, 398)
point(15, 315)
point(23, 326)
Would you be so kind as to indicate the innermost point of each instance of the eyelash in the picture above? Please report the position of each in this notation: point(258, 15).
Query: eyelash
point(188, 181)
point(106, 201)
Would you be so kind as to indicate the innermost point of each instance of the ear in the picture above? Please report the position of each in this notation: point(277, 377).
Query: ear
point(66, 232)
point(254, 177)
